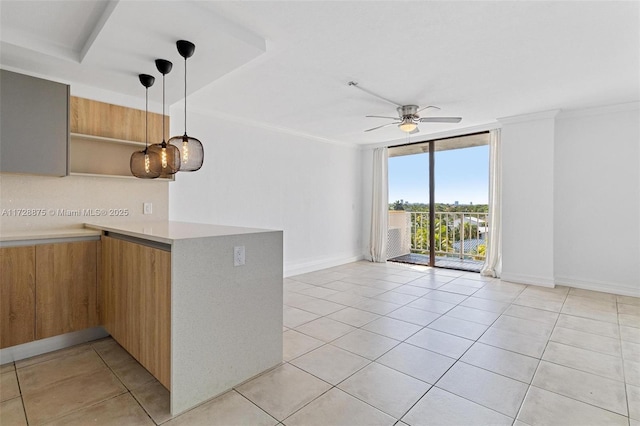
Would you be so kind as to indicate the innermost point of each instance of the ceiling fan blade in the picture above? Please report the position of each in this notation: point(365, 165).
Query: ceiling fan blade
point(414, 131)
point(384, 125)
point(380, 116)
point(427, 107)
point(440, 119)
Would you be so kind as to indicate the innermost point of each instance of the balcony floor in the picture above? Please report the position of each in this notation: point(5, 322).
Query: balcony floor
point(441, 262)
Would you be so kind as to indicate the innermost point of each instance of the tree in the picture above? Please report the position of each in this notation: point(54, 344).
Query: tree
point(400, 205)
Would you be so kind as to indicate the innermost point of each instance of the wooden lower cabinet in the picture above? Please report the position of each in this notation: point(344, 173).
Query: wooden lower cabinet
point(65, 287)
point(47, 290)
point(17, 295)
point(136, 296)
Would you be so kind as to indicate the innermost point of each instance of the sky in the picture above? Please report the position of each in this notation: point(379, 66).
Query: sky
point(460, 175)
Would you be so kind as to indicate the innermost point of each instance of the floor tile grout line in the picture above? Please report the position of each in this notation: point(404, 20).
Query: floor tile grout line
point(423, 327)
point(128, 390)
point(577, 400)
point(540, 359)
point(459, 359)
point(585, 371)
point(624, 376)
point(89, 347)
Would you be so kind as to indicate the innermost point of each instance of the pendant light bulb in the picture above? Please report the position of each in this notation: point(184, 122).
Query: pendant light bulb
point(147, 164)
point(191, 150)
point(185, 150)
point(163, 155)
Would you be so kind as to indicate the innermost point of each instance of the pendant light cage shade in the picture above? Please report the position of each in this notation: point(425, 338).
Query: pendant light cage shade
point(191, 152)
point(169, 157)
point(146, 164)
point(191, 149)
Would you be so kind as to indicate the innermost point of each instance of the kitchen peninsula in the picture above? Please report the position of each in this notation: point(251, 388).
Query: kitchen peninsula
point(171, 294)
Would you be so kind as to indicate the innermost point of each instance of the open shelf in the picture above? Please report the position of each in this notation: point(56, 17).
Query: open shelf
point(98, 156)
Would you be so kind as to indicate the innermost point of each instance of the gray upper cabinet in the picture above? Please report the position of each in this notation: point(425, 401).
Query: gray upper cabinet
point(34, 125)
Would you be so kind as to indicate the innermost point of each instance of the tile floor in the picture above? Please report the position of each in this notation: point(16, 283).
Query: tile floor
point(369, 344)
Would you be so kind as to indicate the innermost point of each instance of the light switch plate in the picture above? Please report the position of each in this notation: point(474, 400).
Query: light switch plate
point(147, 208)
point(238, 256)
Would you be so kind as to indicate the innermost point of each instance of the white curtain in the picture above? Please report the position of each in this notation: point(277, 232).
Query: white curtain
point(493, 263)
point(380, 206)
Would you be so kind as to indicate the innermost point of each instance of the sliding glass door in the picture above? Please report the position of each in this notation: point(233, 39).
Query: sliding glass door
point(438, 193)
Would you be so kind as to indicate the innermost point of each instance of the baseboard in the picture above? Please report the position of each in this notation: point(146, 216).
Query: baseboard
point(50, 344)
point(603, 286)
point(528, 279)
point(297, 268)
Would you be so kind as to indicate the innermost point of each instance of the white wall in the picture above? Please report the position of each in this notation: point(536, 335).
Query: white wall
point(571, 199)
point(264, 178)
point(527, 198)
point(597, 199)
point(76, 193)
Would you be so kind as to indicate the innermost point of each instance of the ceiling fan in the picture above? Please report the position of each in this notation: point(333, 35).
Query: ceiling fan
point(408, 118)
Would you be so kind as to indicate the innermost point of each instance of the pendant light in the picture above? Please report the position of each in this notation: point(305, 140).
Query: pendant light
point(191, 150)
point(169, 154)
point(146, 164)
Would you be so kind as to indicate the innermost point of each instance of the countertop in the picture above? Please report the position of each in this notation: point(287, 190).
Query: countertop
point(47, 234)
point(168, 232)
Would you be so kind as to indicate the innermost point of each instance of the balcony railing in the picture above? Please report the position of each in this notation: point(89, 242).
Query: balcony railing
point(460, 235)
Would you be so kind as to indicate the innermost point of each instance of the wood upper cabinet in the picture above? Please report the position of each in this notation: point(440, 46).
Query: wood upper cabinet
point(66, 275)
point(34, 117)
point(17, 295)
point(136, 294)
point(89, 117)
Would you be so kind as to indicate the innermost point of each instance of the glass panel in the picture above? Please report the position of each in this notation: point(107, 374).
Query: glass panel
point(409, 206)
point(461, 198)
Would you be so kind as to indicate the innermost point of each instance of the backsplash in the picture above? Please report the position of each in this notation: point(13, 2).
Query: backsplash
point(40, 202)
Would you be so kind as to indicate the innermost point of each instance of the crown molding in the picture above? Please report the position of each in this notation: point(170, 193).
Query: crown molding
point(600, 110)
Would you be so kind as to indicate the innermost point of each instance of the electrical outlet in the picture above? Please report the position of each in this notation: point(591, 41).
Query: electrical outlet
point(238, 256)
point(147, 208)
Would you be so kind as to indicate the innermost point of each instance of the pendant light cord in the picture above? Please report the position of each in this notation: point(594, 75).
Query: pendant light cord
point(163, 139)
point(146, 120)
point(185, 96)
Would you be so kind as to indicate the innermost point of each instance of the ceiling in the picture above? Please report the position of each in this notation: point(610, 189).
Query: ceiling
point(106, 44)
point(286, 65)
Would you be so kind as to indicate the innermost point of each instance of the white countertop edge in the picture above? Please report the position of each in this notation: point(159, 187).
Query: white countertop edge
point(29, 235)
point(167, 232)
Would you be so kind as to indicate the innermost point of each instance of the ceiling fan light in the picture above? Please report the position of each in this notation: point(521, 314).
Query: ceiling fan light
point(407, 126)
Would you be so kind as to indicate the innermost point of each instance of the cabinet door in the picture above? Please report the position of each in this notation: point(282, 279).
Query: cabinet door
point(136, 290)
point(17, 295)
point(34, 116)
point(155, 280)
point(65, 287)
